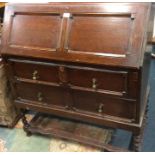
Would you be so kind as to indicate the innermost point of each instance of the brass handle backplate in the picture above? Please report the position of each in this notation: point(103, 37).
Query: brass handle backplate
point(40, 97)
point(100, 109)
point(94, 83)
point(35, 75)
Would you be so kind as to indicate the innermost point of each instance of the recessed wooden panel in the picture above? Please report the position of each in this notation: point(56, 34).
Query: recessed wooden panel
point(100, 34)
point(41, 31)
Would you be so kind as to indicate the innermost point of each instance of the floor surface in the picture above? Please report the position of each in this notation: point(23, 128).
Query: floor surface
point(16, 140)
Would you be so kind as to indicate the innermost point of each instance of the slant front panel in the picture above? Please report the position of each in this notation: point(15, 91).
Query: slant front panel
point(93, 34)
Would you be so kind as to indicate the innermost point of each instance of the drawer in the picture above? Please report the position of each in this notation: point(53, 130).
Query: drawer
point(35, 71)
point(113, 82)
point(40, 94)
point(95, 103)
point(106, 81)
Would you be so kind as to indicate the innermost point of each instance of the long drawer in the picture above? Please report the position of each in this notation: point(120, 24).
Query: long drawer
point(107, 81)
point(78, 101)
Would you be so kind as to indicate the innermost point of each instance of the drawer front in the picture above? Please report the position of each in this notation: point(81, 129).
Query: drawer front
point(107, 81)
point(113, 82)
point(95, 103)
point(44, 95)
point(122, 83)
point(35, 71)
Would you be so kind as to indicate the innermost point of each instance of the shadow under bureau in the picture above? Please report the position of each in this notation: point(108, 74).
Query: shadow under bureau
point(82, 61)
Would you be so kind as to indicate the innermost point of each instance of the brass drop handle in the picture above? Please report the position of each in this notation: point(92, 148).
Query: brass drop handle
point(40, 97)
point(35, 75)
point(100, 109)
point(67, 107)
point(94, 83)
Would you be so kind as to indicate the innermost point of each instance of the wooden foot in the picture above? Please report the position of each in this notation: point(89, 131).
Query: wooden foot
point(26, 125)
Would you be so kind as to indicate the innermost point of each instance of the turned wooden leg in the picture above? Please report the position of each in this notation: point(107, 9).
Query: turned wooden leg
point(26, 124)
point(18, 117)
point(135, 144)
point(137, 139)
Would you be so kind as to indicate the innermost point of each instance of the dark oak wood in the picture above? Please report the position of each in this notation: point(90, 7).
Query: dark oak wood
point(36, 72)
point(137, 139)
point(42, 94)
point(84, 61)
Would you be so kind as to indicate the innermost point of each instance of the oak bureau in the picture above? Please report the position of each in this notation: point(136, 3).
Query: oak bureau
point(82, 61)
